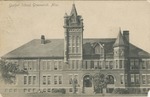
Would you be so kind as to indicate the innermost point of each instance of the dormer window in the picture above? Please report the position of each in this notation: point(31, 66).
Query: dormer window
point(98, 49)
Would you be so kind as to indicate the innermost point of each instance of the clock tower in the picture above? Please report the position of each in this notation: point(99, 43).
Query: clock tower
point(73, 35)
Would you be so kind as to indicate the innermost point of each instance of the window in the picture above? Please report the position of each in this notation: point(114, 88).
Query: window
point(120, 64)
point(143, 63)
point(73, 40)
point(97, 49)
point(25, 65)
point(55, 79)
point(25, 90)
point(10, 90)
point(117, 64)
point(110, 79)
point(136, 63)
point(96, 64)
point(122, 79)
point(76, 79)
point(48, 65)
point(92, 64)
point(34, 65)
point(29, 90)
point(48, 90)
point(73, 61)
point(100, 65)
point(77, 64)
point(87, 81)
point(148, 64)
point(48, 80)
point(131, 64)
point(44, 65)
point(132, 79)
point(73, 49)
point(44, 80)
point(77, 49)
point(77, 41)
point(106, 64)
point(148, 79)
point(69, 67)
point(29, 80)
point(29, 65)
point(88, 64)
point(60, 65)
point(55, 65)
point(70, 89)
point(70, 50)
point(44, 90)
point(25, 80)
point(70, 79)
point(70, 40)
point(34, 80)
point(77, 44)
point(126, 79)
point(137, 79)
point(60, 79)
point(15, 90)
point(34, 90)
point(143, 78)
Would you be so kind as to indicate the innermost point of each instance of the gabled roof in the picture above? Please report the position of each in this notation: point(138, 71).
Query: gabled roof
point(119, 41)
point(54, 48)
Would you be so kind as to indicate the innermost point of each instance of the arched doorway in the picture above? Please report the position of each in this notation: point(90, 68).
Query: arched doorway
point(110, 79)
point(87, 84)
point(110, 83)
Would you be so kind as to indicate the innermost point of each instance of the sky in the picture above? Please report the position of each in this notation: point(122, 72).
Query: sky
point(23, 21)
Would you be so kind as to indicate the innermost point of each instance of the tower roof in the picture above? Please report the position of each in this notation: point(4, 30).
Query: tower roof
point(119, 41)
point(73, 11)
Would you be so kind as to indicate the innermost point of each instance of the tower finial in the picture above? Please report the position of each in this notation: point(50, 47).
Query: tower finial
point(73, 11)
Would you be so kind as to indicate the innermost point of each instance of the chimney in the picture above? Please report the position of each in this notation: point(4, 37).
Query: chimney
point(126, 35)
point(42, 39)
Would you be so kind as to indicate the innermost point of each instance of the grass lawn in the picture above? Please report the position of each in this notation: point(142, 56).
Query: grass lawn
point(69, 95)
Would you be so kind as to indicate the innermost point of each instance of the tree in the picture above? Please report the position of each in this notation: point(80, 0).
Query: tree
point(8, 71)
point(74, 84)
point(100, 82)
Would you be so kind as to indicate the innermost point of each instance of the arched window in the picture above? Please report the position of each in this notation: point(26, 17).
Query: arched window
point(70, 40)
point(73, 39)
point(87, 81)
point(77, 41)
point(110, 79)
point(77, 44)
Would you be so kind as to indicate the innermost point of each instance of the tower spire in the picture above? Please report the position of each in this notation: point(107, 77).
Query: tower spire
point(119, 41)
point(73, 11)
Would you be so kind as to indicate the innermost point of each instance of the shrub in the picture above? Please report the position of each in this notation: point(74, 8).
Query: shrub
point(62, 90)
point(128, 91)
point(120, 91)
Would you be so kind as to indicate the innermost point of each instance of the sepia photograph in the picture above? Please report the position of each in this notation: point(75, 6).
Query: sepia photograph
point(75, 48)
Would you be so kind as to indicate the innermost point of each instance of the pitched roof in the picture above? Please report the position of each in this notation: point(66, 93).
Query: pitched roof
point(34, 49)
point(54, 48)
point(119, 41)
